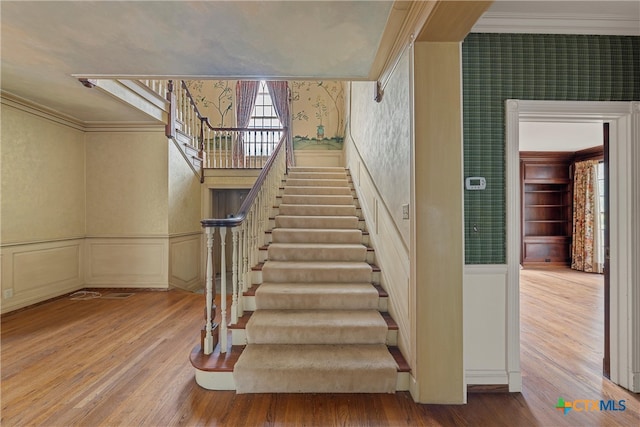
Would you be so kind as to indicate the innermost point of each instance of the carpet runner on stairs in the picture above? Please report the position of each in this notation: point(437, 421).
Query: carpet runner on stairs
point(316, 327)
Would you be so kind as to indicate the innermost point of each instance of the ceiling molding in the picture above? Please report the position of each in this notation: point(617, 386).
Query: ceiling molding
point(544, 23)
point(415, 18)
point(8, 98)
point(451, 21)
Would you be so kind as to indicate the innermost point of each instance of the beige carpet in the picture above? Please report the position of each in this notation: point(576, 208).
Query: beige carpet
point(316, 327)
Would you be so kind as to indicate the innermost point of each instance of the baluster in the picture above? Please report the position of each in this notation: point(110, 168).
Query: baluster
point(223, 290)
point(245, 257)
point(240, 272)
point(208, 339)
point(234, 275)
point(227, 152)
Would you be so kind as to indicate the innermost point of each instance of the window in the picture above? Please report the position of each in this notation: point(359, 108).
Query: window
point(264, 116)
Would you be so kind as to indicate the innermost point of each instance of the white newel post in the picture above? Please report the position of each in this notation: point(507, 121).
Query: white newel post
point(223, 291)
point(208, 340)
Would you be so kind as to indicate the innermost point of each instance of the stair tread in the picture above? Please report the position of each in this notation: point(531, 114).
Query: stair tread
point(316, 326)
point(318, 245)
point(317, 288)
point(316, 264)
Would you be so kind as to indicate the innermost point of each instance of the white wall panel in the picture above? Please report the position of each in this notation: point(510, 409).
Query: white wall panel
point(36, 272)
point(127, 262)
point(485, 341)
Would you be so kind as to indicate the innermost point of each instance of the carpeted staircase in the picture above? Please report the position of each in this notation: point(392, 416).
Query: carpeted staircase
point(316, 325)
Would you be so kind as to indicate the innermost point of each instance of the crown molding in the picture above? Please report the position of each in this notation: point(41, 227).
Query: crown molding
point(541, 23)
point(22, 104)
point(411, 18)
point(8, 98)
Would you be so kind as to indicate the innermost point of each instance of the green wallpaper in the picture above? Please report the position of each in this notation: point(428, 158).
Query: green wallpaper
point(496, 67)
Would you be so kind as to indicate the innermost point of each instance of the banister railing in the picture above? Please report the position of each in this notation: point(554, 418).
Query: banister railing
point(248, 228)
point(228, 148)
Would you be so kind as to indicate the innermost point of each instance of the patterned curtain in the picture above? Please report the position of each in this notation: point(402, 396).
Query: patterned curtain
point(586, 245)
point(279, 92)
point(246, 94)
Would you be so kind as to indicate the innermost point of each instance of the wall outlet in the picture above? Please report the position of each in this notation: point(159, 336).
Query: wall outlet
point(405, 211)
point(7, 293)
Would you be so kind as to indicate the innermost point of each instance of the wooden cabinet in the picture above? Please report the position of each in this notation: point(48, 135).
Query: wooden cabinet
point(546, 182)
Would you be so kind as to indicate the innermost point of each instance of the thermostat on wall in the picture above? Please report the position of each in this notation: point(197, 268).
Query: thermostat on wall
point(475, 183)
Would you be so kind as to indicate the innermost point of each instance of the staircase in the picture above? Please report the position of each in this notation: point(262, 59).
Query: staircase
point(315, 321)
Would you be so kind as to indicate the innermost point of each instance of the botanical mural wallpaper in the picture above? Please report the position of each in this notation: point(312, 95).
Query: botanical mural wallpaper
point(317, 110)
point(216, 100)
point(318, 115)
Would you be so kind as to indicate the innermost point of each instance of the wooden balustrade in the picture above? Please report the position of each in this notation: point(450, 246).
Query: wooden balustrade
point(248, 228)
point(158, 86)
point(226, 148)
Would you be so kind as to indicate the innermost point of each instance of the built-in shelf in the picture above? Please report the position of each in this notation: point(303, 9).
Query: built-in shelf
point(546, 208)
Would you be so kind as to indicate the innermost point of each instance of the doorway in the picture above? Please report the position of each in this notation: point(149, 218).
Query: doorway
point(563, 184)
point(624, 329)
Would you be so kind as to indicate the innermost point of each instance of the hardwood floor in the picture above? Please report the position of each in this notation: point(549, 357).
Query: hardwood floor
point(126, 362)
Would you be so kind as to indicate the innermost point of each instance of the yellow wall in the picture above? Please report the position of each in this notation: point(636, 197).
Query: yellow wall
point(92, 209)
point(43, 185)
point(438, 255)
point(42, 207)
point(184, 195)
point(127, 193)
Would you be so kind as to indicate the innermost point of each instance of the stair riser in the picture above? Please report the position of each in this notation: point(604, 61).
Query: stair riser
point(316, 275)
point(318, 183)
point(317, 210)
point(239, 337)
point(333, 381)
point(317, 236)
point(293, 199)
point(317, 175)
point(317, 169)
point(315, 254)
point(249, 303)
point(308, 190)
point(370, 257)
point(318, 222)
point(257, 278)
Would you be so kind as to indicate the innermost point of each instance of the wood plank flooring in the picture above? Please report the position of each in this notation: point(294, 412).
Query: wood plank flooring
point(126, 362)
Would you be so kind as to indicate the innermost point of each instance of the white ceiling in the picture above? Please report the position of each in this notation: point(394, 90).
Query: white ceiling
point(45, 46)
point(559, 136)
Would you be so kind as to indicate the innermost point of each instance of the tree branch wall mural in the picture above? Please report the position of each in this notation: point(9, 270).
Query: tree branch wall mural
point(317, 110)
point(215, 99)
point(318, 115)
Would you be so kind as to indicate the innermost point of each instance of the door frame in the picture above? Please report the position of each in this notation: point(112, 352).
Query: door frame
point(624, 180)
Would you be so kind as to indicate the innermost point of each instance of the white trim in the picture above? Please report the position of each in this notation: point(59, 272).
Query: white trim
point(545, 23)
point(486, 376)
point(624, 217)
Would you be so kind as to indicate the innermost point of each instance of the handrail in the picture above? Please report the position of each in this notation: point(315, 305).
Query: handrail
point(248, 227)
point(218, 147)
point(241, 215)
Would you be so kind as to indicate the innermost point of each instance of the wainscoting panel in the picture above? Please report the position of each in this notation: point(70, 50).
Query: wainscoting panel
point(392, 255)
point(35, 272)
point(138, 262)
point(185, 260)
point(485, 340)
